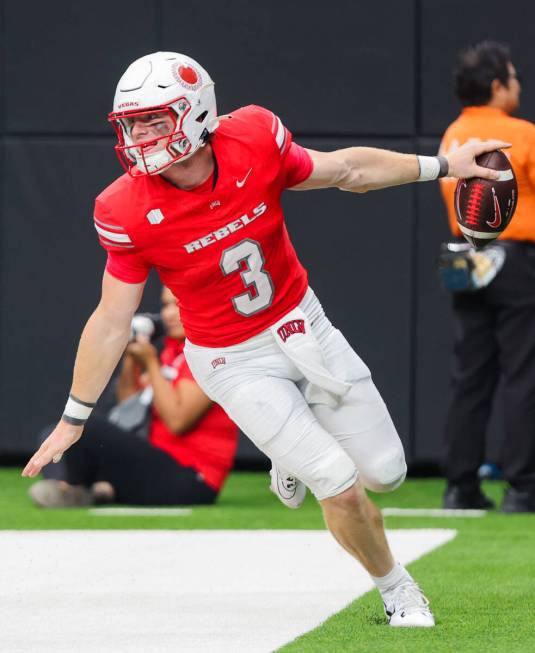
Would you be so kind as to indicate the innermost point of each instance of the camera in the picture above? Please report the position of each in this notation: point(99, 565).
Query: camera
point(149, 325)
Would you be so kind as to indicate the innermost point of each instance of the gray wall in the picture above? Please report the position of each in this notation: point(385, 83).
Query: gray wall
point(370, 73)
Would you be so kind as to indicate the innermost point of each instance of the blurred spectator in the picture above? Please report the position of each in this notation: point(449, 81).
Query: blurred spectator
point(189, 444)
point(493, 326)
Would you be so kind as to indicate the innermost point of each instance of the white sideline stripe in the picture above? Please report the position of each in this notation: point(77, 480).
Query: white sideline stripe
point(479, 234)
point(431, 512)
point(111, 235)
point(114, 591)
point(505, 175)
point(140, 512)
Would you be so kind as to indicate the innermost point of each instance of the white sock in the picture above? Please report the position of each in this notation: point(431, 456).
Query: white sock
point(397, 575)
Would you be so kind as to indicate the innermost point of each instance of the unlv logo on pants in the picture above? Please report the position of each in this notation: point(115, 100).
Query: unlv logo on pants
point(291, 327)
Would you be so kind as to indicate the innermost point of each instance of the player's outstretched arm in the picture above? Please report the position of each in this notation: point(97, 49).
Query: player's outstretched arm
point(360, 169)
point(102, 342)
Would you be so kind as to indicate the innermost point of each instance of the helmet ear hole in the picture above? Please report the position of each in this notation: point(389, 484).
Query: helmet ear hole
point(201, 116)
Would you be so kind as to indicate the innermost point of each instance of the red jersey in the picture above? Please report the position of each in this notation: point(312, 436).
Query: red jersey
point(222, 248)
point(210, 446)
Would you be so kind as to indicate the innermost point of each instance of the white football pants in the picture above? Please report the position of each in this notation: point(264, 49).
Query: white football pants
point(326, 444)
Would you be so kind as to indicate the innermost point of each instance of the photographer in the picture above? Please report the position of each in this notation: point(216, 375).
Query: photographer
point(190, 446)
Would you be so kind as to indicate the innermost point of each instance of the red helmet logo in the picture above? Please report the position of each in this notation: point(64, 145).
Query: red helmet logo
point(188, 74)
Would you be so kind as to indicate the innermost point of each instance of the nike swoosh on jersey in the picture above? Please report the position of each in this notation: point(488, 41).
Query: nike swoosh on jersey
point(240, 183)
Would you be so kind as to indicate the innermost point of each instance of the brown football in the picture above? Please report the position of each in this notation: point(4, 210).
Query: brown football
point(485, 207)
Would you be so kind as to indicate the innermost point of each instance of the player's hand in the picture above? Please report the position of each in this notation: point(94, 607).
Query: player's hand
point(61, 438)
point(462, 163)
point(142, 351)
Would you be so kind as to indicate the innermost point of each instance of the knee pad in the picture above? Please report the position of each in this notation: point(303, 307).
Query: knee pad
point(274, 415)
point(313, 455)
point(332, 475)
point(387, 473)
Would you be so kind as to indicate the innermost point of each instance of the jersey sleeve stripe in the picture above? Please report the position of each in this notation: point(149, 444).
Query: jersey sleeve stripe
point(273, 124)
point(280, 135)
point(285, 142)
point(111, 235)
point(108, 226)
point(108, 243)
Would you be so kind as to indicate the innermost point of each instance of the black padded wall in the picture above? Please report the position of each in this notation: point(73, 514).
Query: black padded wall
point(449, 25)
point(63, 60)
point(51, 273)
point(432, 332)
point(341, 68)
point(370, 73)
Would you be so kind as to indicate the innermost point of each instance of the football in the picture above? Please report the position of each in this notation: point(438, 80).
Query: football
point(485, 207)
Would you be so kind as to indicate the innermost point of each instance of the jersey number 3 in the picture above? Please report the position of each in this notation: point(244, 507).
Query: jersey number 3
point(247, 258)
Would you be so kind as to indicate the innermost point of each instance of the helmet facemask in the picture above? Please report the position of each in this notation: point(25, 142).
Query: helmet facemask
point(175, 145)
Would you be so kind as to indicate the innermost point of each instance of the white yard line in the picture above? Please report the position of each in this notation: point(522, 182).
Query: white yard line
point(431, 512)
point(178, 591)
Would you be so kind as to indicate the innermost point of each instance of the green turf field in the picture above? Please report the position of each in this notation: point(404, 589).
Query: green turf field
point(481, 585)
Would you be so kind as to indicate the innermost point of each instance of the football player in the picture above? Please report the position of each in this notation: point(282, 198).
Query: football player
point(201, 203)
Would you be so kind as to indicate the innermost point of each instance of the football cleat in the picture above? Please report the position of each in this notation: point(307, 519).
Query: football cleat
point(407, 607)
point(289, 489)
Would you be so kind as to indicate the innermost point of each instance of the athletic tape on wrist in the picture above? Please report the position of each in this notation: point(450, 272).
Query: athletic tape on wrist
point(76, 411)
point(429, 167)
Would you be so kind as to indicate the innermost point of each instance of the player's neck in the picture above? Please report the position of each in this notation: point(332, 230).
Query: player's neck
point(192, 172)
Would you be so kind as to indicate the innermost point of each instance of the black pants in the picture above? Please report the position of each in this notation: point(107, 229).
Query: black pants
point(140, 473)
point(494, 336)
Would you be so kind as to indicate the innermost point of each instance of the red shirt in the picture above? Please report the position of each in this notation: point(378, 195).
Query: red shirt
point(224, 252)
point(210, 446)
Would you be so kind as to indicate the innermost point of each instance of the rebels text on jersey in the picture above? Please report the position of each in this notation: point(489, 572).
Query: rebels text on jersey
point(223, 248)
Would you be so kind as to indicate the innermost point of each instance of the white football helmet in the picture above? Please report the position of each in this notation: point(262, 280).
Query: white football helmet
point(170, 83)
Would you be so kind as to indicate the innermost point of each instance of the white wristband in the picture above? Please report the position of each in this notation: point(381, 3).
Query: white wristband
point(429, 168)
point(77, 411)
